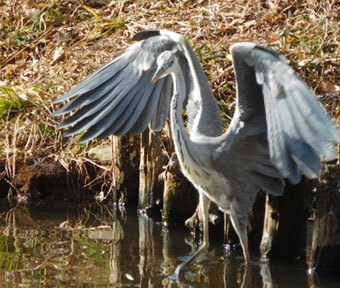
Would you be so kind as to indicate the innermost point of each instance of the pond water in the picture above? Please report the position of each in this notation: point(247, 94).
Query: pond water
point(97, 246)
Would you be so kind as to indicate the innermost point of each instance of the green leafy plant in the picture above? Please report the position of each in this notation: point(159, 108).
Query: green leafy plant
point(10, 102)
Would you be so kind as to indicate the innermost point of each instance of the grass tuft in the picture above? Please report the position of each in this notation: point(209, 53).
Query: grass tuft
point(10, 102)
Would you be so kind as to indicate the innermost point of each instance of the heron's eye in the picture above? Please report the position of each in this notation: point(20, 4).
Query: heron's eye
point(172, 63)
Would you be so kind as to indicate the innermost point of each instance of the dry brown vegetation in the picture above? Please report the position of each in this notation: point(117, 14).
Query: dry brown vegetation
point(49, 46)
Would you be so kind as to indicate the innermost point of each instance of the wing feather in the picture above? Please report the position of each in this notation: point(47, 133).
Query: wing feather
point(152, 105)
point(307, 131)
point(95, 79)
point(107, 105)
point(137, 112)
point(159, 119)
point(111, 125)
point(279, 129)
point(102, 89)
point(119, 97)
point(131, 113)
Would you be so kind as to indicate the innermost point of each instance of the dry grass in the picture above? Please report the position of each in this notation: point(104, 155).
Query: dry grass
point(49, 46)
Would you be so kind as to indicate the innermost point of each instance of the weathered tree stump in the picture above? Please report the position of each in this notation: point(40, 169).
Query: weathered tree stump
point(119, 156)
point(149, 168)
point(179, 197)
point(325, 251)
point(230, 237)
point(271, 224)
point(285, 223)
point(124, 169)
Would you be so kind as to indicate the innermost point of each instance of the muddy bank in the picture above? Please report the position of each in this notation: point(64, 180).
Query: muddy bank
point(4, 186)
point(48, 181)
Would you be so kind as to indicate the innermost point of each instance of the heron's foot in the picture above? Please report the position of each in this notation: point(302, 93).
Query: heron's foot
point(266, 245)
point(214, 218)
point(173, 163)
point(179, 277)
point(179, 274)
point(192, 221)
point(229, 247)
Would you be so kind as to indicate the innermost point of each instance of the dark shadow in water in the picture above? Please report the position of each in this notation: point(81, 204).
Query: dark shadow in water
point(97, 246)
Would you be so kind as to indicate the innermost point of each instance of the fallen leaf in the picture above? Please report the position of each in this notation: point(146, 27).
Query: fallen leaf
point(58, 54)
point(329, 87)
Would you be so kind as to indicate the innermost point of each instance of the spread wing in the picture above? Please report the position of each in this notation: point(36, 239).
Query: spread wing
point(119, 97)
point(279, 129)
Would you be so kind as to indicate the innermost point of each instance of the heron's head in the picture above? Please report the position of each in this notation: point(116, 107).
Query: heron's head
point(165, 64)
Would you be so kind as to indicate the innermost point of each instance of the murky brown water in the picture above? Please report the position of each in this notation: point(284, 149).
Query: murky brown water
point(101, 247)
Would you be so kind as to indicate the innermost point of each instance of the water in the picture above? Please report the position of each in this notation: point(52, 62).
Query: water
point(95, 246)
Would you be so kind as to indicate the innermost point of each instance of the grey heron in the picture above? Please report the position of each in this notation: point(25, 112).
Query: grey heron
point(279, 130)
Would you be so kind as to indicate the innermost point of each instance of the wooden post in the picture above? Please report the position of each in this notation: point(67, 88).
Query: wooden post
point(149, 168)
point(229, 237)
point(124, 170)
point(285, 224)
point(144, 143)
point(154, 168)
point(119, 157)
point(325, 251)
point(271, 224)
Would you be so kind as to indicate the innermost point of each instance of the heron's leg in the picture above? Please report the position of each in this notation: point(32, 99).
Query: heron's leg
point(204, 217)
point(240, 223)
point(191, 222)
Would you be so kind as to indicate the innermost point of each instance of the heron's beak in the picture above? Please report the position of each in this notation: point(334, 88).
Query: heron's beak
point(160, 72)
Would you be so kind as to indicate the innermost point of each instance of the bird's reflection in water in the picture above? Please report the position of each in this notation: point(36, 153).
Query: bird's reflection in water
point(161, 252)
point(237, 275)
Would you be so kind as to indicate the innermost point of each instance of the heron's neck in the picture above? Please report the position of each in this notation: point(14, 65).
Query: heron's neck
point(203, 112)
point(179, 134)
